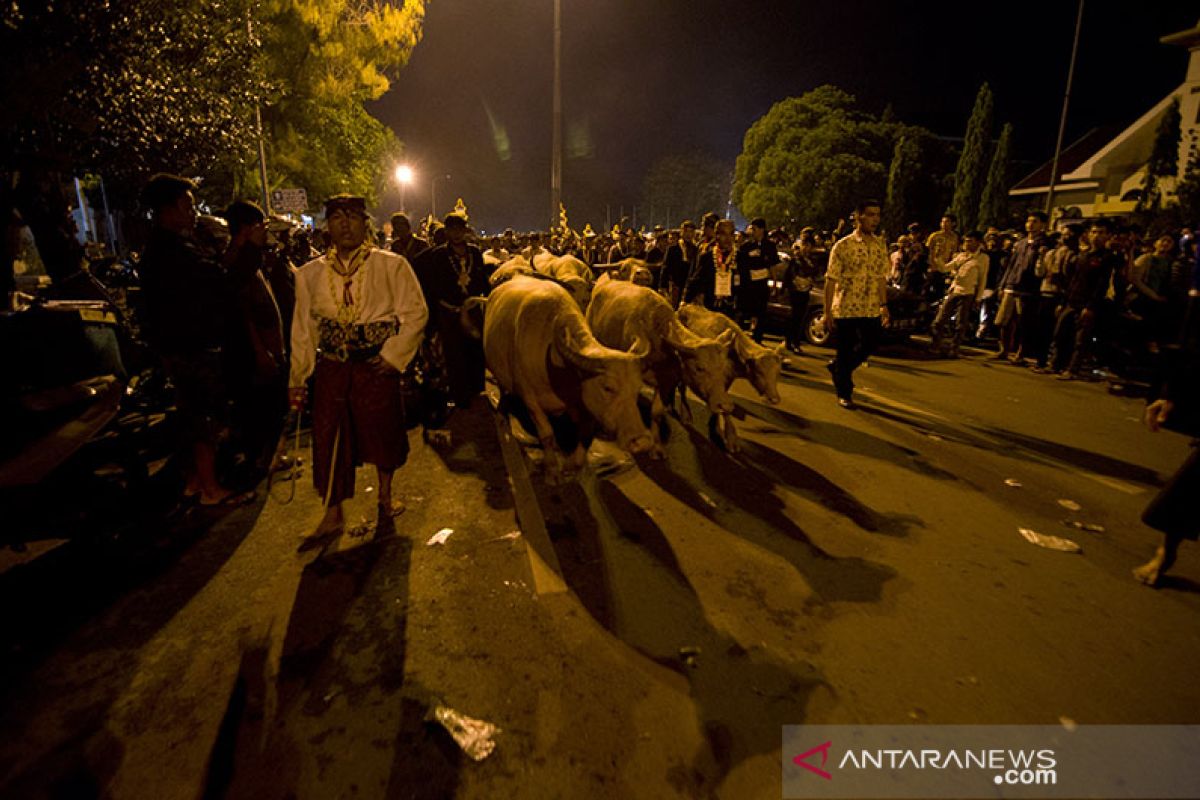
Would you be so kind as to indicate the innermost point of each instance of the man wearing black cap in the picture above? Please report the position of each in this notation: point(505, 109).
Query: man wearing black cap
point(449, 274)
point(754, 261)
point(359, 320)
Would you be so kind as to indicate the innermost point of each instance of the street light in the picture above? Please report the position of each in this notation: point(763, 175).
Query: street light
point(433, 194)
point(404, 176)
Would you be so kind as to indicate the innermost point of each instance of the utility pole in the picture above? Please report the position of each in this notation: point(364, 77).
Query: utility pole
point(556, 154)
point(1062, 122)
point(262, 150)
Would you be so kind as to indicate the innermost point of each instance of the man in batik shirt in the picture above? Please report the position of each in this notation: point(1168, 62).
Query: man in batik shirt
point(856, 297)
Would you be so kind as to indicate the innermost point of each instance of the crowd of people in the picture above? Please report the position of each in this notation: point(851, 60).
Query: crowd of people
point(249, 320)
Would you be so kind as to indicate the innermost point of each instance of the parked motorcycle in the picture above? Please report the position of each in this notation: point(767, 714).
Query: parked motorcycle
point(86, 414)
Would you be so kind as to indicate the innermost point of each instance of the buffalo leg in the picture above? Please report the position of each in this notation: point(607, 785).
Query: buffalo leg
point(545, 433)
point(732, 445)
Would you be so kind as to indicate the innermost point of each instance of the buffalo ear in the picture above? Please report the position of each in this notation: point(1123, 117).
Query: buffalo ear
point(640, 347)
point(726, 337)
point(741, 344)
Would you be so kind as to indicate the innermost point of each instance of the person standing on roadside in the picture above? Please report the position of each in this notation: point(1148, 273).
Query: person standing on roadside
point(856, 297)
point(755, 258)
point(969, 269)
point(360, 316)
point(187, 320)
point(802, 272)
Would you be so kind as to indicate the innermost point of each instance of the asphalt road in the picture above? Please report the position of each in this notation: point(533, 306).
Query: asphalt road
point(648, 632)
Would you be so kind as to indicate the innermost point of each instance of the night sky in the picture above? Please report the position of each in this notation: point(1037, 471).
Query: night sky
point(642, 79)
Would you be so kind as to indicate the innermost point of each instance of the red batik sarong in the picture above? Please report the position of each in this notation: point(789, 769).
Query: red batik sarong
point(359, 404)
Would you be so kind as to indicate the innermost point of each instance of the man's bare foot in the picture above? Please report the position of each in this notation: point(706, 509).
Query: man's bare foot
point(1152, 570)
point(332, 522)
point(392, 508)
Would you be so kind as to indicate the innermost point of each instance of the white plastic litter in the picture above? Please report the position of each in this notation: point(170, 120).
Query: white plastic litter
point(440, 537)
point(511, 536)
point(1070, 505)
point(1013, 482)
point(474, 736)
point(1050, 542)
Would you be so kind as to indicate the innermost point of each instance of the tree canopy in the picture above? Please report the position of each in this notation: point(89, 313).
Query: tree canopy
point(810, 159)
point(973, 162)
point(125, 88)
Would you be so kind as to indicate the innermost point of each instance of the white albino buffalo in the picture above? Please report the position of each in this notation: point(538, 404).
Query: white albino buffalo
point(573, 274)
point(622, 313)
point(517, 265)
point(747, 359)
point(541, 352)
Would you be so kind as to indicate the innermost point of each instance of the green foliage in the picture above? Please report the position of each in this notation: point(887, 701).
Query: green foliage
point(1164, 159)
point(810, 159)
point(124, 88)
point(969, 176)
point(127, 87)
point(993, 209)
point(688, 184)
point(901, 174)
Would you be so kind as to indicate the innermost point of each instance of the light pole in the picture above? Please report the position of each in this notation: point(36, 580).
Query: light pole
point(404, 176)
point(433, 194)
point(1062, 122)
point(556, 154)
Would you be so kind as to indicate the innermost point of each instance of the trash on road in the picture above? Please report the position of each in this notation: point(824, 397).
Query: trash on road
point(474, 736)
point(707, 499)
point(1070, 505)
point(1090, 527)
point(369, 489)
point(1050, 542)
point(511, 536)
point(440, 537)
point(689, 655)
point(1068, 723)
point(1013, 482)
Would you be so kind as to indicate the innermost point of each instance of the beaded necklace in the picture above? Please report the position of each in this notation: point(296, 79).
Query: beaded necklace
point(719, 259)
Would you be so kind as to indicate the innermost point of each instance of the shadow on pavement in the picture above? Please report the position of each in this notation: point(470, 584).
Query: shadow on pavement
point(474, 448)
point(1074, 456)
point(346, 645)
point(815, 486)
point(141, 582)
point(846, 439)
point(741, 697)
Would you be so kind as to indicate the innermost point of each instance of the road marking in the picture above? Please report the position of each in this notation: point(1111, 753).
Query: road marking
point(543, 563)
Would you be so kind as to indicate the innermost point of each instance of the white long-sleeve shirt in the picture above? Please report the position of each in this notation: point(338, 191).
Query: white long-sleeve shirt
point(385, 288)
point(970, 273)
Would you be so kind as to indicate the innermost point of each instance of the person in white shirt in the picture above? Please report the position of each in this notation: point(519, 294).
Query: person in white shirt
point(969, 269)
point(360, 316)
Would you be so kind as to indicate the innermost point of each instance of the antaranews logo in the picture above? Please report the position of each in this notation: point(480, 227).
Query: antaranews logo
point(802, 760)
